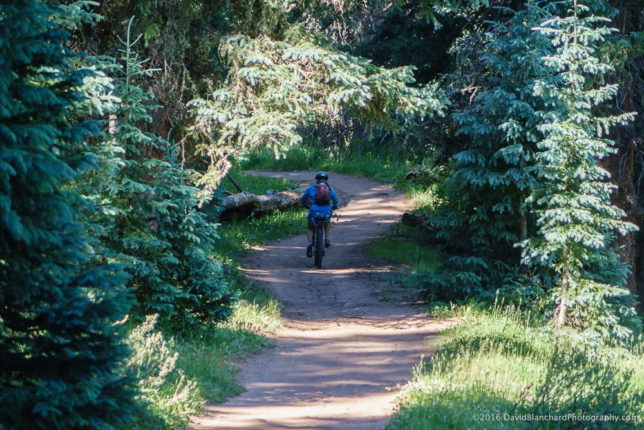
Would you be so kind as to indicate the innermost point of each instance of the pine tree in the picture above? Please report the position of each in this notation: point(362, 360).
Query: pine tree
point(493, 176)
point(576, 221)
point(205, 294)
point(149, 211)
point(59, 343)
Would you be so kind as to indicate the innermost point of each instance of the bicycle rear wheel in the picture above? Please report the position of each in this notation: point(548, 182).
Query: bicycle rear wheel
point(319, 245)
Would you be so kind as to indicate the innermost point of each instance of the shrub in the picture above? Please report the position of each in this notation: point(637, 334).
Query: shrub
point(148, 212)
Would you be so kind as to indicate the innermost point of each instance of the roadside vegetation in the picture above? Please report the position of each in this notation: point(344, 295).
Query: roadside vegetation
point(384, 167)
point(181, 370)
point(501, 368)
point(502, 365)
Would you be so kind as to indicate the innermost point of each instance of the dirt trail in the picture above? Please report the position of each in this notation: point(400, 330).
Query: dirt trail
point(341, 354)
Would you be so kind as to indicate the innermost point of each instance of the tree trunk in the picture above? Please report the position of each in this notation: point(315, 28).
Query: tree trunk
point(560, 312)
point(523, 227)
point(621, 168)
point(625, 165)
point(414, 220)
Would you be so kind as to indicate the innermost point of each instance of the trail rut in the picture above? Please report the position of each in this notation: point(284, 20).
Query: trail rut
point(342, 352)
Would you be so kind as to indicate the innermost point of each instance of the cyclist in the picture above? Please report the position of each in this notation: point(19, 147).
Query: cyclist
point(322, 200)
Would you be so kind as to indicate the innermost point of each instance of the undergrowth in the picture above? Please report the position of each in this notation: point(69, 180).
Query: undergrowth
point(407, 246)
point(241, 236)
point(413, 257)
point(186, 368)
point(180, 371)
point(255, 184)
point(504, 368)
point(421, 186)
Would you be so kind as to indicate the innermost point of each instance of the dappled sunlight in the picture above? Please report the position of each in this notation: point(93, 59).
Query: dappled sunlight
point(341, 354)
point(348, 412)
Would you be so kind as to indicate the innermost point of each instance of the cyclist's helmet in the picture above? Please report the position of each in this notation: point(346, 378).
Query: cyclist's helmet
point(322, 176)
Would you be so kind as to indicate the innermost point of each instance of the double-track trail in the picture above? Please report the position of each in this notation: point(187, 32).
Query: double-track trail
point(342, 352)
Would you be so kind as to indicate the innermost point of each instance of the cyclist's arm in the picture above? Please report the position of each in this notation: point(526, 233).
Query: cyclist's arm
point(305, 198)
point(334, 198)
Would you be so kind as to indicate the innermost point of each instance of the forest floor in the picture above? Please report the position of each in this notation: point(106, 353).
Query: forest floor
point(342, 353)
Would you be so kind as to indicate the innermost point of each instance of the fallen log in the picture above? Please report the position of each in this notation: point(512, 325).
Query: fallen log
point(413, 220)
point(248, 205)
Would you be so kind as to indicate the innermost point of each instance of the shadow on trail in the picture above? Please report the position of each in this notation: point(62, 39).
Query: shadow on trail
point(356, 371)
point(342, 353)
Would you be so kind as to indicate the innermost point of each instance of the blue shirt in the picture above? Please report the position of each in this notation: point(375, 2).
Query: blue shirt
point(310, 194)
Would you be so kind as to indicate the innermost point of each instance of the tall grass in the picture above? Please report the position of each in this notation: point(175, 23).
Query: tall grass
point(241, 236)
point(207, 355)
point(180, 371)
point(503, 368)
point(255, 184)
point(184, 369)
point(375, 165)
point(310, 157)
point(166, 395)
point(407, 246)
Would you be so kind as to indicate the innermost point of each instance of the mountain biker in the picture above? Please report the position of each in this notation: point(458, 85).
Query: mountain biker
point(322, 202)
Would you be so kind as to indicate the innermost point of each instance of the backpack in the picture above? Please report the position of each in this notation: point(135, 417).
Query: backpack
point(322, 194)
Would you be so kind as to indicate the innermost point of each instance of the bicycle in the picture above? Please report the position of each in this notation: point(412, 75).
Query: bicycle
point(318, 240)
point(319, 237)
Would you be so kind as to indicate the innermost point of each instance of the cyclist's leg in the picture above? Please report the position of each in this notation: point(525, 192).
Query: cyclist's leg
point(310, 226)
point(310, 230)
point(327, 231)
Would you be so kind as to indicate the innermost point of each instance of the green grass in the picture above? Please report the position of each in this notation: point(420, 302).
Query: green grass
point(405, 245)
point(239, 237)
point(413, 256)
point(254, 183)
point(205, 369)
point(392, 170)
point(409, 249)
point(503, 363)
point(207, 355)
